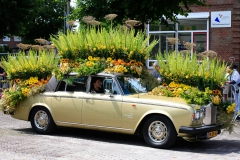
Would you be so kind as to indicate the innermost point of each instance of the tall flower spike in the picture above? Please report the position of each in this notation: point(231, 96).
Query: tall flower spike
point(189, 45)
point(37, 47)
point(41, 41)
point(24, 46)
point(86, 19)
point(71, 23)
point(210, 54)
point(110, 16)
point(172, 40)
point(94, 23)
point(133, 23)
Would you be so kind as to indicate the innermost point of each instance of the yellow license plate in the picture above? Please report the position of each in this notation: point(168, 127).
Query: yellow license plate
point(212, 134)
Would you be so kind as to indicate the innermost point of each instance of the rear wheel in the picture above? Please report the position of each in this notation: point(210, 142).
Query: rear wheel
point(41, 121)
point(159, 132)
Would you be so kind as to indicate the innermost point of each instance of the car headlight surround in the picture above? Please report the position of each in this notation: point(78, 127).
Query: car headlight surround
point(197, 114)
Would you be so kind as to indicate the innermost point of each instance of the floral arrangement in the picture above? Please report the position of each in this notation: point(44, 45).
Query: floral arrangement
point(116, 43)
point(188, 70)
point(28, 75)
point(91, 51)
point(198, 83)
point(192, 95)
point(93, 65)
point(119, 66)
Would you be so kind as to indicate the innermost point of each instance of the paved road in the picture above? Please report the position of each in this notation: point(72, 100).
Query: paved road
point(18, 141)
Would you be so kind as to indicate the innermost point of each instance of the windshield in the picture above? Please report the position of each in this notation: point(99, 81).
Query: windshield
point(131, 85)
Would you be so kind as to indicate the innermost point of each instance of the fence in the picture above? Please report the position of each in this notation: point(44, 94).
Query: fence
point(234, 96)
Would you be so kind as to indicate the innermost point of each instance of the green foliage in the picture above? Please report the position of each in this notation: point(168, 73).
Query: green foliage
point(187, 70)
point(14, 16)
point(31, 19)
point(148, 80)
point(47, 19)
point(20, 66)
point(4, 49)
point(116, 43)
point(194, 96)
point(225, 119)
point(142, 10)
point(87, 67)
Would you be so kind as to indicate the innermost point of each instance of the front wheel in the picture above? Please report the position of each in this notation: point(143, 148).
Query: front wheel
point(159, 132)
point(41, 121)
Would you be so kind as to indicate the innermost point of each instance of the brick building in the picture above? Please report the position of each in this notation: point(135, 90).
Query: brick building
point(225, 41)
point(215, 27)
point(11, 42)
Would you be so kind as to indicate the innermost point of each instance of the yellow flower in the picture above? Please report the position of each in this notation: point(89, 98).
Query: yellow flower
point(109, 59)
point(17, 80)
point(89, 64)
point(187, 76)
point(90, 58)
point(94, 49)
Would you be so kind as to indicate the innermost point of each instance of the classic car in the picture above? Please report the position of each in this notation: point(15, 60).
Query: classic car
point(124, 107)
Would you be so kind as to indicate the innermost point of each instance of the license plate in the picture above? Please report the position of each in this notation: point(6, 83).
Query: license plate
point(212, 134)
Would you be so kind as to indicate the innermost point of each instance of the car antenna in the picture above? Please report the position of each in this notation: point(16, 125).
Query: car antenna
point(139, 78)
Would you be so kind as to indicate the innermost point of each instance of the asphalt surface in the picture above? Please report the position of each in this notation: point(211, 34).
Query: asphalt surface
point(19, 141)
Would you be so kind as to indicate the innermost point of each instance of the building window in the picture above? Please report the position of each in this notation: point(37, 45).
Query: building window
point(6, 39)
point(17, 39)
point(193, 29)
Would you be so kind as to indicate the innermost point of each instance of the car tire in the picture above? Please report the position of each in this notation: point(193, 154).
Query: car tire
point(159, 132)
point(42, 121)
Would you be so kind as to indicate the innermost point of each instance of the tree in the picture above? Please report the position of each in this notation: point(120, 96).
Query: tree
point(48, 19)
point(31, 18)
point(141, 10)
point(14, 16)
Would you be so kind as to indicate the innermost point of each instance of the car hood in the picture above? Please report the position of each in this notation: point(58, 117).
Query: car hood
point(157, 100)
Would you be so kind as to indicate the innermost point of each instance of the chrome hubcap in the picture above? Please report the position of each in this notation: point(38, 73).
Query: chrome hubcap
point(41, 119)
point(157, 131)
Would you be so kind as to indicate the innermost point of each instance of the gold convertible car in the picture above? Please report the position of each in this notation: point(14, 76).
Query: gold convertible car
point(123, 107)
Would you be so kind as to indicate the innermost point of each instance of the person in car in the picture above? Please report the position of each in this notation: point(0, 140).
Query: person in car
point(96, 85)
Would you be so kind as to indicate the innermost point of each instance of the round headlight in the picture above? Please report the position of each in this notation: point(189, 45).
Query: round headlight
point(197, 115)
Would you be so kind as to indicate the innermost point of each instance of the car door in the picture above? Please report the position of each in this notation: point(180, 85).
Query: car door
point(67, 102)
point(103, 110)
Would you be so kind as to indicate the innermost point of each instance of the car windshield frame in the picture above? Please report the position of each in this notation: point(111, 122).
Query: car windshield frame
point(130, 85)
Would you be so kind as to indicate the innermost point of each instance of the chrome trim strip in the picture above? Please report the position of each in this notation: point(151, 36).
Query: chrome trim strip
point(162, 105)
point(96, 126)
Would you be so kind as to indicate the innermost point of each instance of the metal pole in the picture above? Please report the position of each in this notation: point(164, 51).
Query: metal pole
point(64, 20)
point(68, 11)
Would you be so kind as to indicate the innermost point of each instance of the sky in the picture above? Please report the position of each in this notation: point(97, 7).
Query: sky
point(73, 3)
